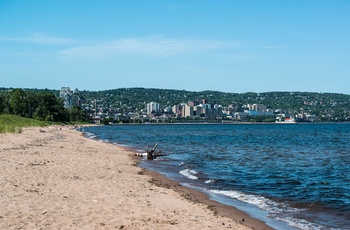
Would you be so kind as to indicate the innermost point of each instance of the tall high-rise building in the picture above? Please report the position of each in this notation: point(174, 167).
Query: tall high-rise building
point(66, 95)
point(152, 107)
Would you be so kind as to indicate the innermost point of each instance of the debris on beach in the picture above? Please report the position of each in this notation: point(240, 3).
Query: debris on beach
point(152, 153)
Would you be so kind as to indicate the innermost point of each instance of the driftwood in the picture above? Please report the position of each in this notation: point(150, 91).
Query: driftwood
point(152, 153)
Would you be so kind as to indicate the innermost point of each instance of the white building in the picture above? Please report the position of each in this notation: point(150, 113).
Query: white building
point(187, 111)
point(66, 95)
point(153, 107)
point(257, 107)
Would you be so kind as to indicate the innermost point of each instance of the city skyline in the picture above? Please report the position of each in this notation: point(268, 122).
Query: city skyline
point(227, 46)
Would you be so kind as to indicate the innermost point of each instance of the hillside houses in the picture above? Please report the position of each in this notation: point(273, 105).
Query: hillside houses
point(192, 111)
point(105, 110)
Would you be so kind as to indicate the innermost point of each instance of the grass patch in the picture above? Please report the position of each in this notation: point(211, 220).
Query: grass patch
point(15, 124)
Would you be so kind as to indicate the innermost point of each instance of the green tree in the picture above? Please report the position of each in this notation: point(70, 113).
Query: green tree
point(50, 108)
point(6, 107)
point(1, 103)
point(31, 103)
point(18, 102)
point(77, 114)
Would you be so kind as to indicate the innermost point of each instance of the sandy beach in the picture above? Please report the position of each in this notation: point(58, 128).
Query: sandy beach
point(54, 178)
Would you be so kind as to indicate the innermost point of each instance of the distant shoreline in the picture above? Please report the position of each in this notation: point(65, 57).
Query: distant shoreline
point(225, 123)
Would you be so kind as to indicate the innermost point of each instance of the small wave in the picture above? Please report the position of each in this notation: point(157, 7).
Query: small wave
point(209, 181)
point(256, 200)
point(90, 135)
point(189, 173)
point(279, 211)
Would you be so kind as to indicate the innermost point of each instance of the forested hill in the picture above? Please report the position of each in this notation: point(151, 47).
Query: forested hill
point(134, 99)
point(290, 101)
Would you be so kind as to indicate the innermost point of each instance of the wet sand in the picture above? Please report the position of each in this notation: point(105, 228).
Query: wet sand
point(54, 178)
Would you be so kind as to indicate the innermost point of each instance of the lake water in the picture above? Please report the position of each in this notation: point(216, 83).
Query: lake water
point(290, 176)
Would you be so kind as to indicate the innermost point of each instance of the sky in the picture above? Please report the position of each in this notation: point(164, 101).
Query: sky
point(225, 45)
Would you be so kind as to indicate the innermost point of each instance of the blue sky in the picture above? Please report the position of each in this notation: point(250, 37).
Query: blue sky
point(229, 46)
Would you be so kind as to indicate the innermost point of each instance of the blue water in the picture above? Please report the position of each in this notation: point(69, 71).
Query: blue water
point(290, 176)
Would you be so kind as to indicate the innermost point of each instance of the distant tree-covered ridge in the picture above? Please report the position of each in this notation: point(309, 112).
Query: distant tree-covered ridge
point(326, 106)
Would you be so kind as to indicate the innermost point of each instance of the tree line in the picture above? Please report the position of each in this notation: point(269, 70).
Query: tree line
point(40, 105)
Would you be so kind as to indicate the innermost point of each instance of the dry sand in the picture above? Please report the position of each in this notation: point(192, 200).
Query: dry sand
point(54, 178)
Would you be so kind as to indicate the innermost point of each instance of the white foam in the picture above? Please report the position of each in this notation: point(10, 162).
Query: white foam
point(90, 135)
point(189, 173)
point(142, 154)
point(262, 202)
point(209, 181)
point(278, 211)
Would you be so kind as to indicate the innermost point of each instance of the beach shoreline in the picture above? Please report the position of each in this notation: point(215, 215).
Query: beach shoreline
point(196, 196)
point(55, 178)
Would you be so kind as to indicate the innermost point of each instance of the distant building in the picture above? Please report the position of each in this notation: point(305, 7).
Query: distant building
point(177, 110)
point(153, 107)
point(187, 111)
point(66, 94)
point(257, 107)
point(192, 103)
point(168, 109)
